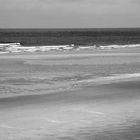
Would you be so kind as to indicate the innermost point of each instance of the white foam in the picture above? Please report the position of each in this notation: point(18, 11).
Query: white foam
point(9, 44)
point(123, 76)
point(16, 47)
point(119, 46)
point(112, 78)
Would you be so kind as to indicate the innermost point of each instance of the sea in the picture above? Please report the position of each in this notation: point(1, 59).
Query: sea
point(84, 36)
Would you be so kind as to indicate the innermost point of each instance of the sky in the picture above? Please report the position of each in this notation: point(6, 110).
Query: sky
point(69, 13)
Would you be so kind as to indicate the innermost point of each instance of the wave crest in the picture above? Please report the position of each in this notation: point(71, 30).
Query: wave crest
point(17, 47)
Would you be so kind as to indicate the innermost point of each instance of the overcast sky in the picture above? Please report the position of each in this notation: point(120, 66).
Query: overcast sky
point(69, 13)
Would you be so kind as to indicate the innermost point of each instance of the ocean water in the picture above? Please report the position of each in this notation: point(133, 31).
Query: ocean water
point(40, 37)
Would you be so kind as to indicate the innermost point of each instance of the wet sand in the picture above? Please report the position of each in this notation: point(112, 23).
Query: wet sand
point(105, 111)
point(110, 110)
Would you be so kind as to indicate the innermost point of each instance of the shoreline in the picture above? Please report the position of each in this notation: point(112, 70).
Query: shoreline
point(82, 84)
point(60, 94)
point(103, 110)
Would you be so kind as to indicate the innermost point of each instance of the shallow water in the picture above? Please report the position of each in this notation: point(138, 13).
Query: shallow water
point(84, 98)
point(33, 76)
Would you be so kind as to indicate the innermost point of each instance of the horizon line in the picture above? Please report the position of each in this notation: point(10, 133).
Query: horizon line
point(74, 28)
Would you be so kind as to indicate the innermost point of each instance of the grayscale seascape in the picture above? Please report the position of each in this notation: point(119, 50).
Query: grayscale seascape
point(69, 70)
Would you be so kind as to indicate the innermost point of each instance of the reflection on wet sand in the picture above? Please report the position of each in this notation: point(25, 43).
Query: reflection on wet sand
point(106, 111)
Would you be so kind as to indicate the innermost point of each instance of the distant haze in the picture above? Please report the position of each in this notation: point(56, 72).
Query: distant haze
point(69, 13)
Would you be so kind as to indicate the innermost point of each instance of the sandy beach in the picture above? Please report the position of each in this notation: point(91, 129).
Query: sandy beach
point(70, 95)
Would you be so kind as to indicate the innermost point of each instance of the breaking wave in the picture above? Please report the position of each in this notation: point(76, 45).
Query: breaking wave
point(18, 48)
